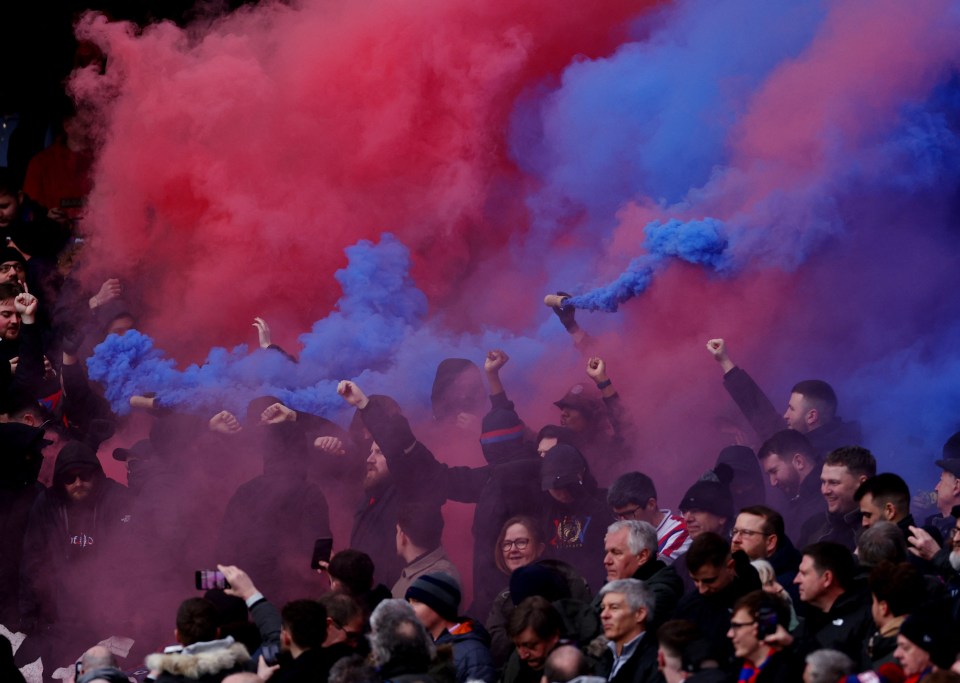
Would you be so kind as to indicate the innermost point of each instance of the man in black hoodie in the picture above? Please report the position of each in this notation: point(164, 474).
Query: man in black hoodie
point(72, 553)
point(792, 465)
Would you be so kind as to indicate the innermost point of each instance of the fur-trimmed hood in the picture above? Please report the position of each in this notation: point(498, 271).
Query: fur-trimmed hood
point(201, 659)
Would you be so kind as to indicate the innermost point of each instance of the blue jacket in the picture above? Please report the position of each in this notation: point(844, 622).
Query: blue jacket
point(471, 651)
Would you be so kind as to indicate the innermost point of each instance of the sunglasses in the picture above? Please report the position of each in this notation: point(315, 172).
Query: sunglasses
point(83, 475)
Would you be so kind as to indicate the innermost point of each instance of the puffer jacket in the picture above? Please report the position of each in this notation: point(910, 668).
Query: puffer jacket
point(208, 662)
point(471, 651)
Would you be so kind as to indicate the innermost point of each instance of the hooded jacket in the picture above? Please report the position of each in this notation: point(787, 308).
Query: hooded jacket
point(73, 551)
point(471, 651)
point(208, 662)
point(845, 627)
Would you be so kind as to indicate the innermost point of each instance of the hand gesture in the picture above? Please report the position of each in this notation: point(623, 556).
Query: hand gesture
point(922, 544)
point(264, 670)
point(495, 360)
point(263, 332)
point(597, 370)
point(277, 413)
point(109, 291)
point(26, 305)
point(224, 422)
point(718, 349)
point(241, 585)
point(143, 402)
point(13, 364)
point(467, 421)
point(329, 444)
point(352, 394)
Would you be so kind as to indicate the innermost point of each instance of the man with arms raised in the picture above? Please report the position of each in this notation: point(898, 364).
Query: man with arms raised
point(811, 410)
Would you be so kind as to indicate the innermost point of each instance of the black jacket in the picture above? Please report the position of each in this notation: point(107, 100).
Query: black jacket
point(783, 666)
point(767, 420)
point(640, 668)
point(834, 527)
point(807, 503)
point(711, 612)
point(846, 627)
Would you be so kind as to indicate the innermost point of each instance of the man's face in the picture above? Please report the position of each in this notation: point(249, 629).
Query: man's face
point(946, 492)
point(748, 536)
point(8, 209)
point(620, 623)
point(78, 484)
point(545, 445)
point(532, 650)
point(810, 584)
point(783, 475)
point(796, 413)
point(376, 467)
point(572, 419)
point(912, 659)
point(12, 272)
point(701, 521)
point(9, 321)
point(618, 560)
point(838, 486)
point(640, 513)
point(870, 512)
point(709, 579)
point(743, 633)
point(120, 326)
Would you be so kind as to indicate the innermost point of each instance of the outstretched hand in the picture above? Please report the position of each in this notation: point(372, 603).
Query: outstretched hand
point(109, 290)
point(241, 585)
point(352, 394)
point(922, 544)
point(263, 332)
point(224, 422)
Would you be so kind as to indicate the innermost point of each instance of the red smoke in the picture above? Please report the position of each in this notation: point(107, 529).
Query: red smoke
point(238, 160)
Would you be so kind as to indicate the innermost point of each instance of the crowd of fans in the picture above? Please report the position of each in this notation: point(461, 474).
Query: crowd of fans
point(578, 570)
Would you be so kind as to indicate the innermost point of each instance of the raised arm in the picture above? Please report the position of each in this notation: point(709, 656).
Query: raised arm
point(749, 397)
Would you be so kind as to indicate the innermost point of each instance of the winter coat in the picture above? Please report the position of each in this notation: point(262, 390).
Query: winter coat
point(471, 651)
point(806, 504)
point(640, 668)
point(845, 627)
point(711, 612)
point(208, 662)
point(666, 586)
point(782, 666)
point(834, 527)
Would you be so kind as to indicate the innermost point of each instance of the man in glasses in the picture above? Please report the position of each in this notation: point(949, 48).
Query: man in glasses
point(633, 496)
point(759, 532)
point(73, 552)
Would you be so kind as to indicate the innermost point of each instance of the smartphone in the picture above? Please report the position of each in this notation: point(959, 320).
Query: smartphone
point(766, 622)
point(270, 652)
point(208, 579)
point(322, 548)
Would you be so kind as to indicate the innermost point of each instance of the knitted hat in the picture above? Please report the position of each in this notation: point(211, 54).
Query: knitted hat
point(440, 592)
point(927, 632)
point(502, 435)
point(709, 496)
point(562, 466)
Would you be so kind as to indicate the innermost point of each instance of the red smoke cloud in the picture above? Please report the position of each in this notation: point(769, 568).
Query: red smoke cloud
point(239, 159)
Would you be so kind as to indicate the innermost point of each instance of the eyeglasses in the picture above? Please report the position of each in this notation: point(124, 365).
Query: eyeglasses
point(4, 267)
point(627, 514)
point(746, 532)
point(735, 625)
point(519, 544)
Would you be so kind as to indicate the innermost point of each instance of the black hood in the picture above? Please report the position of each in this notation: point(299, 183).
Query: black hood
point(76, 455)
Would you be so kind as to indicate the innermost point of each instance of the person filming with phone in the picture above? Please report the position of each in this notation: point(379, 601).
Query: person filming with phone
point(757, 617)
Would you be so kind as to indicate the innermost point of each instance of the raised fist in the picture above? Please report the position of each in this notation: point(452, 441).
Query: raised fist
point(352, 394)
point(276, 413)
point(495, 360)
point(329, 444)
point(26, 305)
point(597, 370)
point(263, 332)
